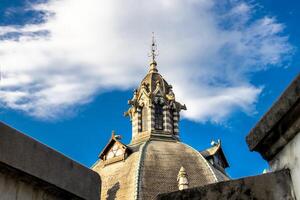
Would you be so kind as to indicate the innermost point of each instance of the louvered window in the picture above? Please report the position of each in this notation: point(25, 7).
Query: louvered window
point(158, 117)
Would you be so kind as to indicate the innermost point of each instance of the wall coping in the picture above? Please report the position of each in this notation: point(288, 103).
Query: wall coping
point(277, 127)
point(36, 159)
point(275, 185)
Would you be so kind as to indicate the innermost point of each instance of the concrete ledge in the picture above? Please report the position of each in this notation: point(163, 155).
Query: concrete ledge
point(14, 180)
point(275, 186)
point(279, 125)
point(24, 154)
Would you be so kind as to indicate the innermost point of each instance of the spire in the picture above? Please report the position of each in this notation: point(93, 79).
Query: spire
point(153, 55)
point(182, 179)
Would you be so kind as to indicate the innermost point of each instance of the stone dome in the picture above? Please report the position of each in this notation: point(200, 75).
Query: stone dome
point(151, 80)
point(152, 168)
point(160, 163)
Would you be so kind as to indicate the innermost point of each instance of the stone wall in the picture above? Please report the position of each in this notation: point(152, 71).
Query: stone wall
point(289, 157)
point(17, 185)
point(271, 186)
point(276, 136)
point(31, 170)
point(11, 188)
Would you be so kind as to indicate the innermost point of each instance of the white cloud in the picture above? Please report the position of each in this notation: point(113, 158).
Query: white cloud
point(207, 51)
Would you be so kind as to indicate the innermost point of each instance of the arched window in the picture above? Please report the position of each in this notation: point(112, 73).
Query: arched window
point(144, 118)
point(158, 117)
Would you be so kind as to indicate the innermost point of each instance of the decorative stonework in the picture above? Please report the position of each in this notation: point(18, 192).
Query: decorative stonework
point(182, 178)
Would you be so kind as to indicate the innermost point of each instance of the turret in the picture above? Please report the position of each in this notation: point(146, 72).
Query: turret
point(154, 112)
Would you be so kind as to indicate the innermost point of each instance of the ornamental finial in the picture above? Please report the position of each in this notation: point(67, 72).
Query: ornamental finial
point(182, 179)
point(153, 54)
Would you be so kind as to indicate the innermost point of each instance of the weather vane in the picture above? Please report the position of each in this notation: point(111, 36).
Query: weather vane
point(153, 53)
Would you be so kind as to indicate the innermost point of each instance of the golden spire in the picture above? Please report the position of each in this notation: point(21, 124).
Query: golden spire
point(153, 55)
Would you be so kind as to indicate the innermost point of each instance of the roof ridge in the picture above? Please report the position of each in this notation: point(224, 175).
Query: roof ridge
point(138, 170)
point(205, 161)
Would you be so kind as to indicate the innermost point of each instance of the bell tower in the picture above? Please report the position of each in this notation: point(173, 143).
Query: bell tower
point(153, 111)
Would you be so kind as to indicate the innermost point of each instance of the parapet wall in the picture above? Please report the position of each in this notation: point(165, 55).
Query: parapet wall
point(275, 186)
point(28, 165)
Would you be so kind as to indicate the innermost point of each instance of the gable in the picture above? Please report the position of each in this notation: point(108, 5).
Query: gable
point(215, 155)
point(114, 151)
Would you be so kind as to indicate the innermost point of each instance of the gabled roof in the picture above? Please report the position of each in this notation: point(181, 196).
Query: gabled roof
point(215, 149)
point(112, 141)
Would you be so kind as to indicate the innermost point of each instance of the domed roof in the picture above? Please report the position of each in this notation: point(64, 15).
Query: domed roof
point(152, 79)
point(162, 161)
point(155, 163)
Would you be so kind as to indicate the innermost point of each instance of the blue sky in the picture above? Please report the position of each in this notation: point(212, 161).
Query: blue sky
point(67, 73)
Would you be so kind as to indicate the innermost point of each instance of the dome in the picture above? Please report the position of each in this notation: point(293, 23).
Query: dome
point(151, 80)
point(161, 162)
point(152, 168)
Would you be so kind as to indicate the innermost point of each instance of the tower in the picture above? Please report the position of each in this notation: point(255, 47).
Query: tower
point(153, 111)
point(149, 165)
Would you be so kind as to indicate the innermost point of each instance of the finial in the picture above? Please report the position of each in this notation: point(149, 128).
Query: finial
point(182, 179)
point(214, 143)
point(153, 55)
point(113, 133)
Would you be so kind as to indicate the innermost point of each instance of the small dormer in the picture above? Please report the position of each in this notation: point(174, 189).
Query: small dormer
point(114, 151)
point(215, 156)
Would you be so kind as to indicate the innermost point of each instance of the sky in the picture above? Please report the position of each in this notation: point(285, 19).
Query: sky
point(68, 68)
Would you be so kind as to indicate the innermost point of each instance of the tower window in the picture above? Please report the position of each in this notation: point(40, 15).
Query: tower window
point(158, 117)
point(144, 118)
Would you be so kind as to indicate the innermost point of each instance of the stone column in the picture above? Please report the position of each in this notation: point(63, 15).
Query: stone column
point(176, 123)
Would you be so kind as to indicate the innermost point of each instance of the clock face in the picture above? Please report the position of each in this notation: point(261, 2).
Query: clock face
point(116, 150)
